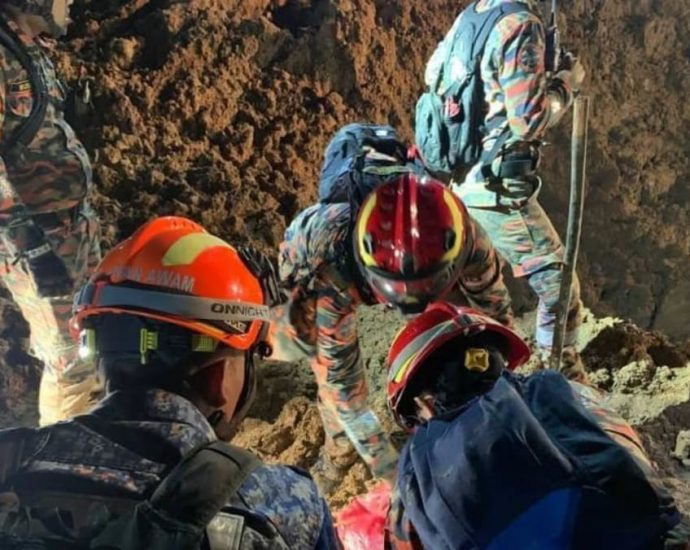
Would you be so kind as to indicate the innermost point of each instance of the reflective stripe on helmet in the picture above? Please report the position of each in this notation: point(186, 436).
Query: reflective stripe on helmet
point(458, 226)
point(188, 247)
point(401, 365)
point(366, 258)
point(190, 307)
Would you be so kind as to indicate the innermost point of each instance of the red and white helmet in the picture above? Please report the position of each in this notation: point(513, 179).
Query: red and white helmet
point(428, 332)
point(410, 240)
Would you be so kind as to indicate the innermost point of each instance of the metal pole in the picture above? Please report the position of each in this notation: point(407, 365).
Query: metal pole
point(578, 162)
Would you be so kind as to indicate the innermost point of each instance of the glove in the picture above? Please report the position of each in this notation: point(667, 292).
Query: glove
point(50, 274)
point(263, 269)
point(571, 71)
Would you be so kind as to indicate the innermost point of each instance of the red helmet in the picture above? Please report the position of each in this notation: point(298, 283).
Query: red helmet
point(172, 270)
point(409, 241)
point(440, 323)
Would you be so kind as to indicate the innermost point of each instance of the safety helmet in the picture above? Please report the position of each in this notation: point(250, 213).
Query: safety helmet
point(55, 14)
point(409, 241)
point(428, 332)
point(172, 271)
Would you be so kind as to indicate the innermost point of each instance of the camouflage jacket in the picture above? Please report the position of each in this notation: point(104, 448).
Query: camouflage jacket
point(316, 259)
point(53, 172)
point(148, 431)
point(516, 86)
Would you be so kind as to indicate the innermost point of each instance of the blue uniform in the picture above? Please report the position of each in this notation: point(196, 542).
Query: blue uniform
point(534, 463)
point(151, 430)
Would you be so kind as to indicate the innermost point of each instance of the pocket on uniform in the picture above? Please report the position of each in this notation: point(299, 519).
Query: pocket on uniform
point(75, 236)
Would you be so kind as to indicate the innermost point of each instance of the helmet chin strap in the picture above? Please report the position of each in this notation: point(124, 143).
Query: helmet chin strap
point(225, 427)
point(215, 418)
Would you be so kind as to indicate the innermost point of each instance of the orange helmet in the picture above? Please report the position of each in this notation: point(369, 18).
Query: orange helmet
point(421, 337)
point(410, 239)
point(172, 270)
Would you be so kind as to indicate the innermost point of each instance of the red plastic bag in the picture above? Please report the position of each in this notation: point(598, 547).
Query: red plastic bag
point(360, 525)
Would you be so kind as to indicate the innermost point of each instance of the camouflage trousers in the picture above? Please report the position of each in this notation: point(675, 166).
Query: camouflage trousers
point(521, 231)
point(350, 425)
point(68, 384)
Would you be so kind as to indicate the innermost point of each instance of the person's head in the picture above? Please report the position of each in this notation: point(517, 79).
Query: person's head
point(409, 241)
point(40, 16)
point(176, 308)
point(445, 357)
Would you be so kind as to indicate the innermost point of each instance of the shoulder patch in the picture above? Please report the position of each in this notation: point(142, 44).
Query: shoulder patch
point(19, 86)
point(530, 57)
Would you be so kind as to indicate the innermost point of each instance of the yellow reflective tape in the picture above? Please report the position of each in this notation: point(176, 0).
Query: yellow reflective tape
point(186, 249)
point(458, 226)
point(476, 359)
point(403, 368)
point(365, 212)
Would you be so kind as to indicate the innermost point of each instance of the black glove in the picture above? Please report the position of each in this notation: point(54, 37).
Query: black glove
point(29, 242)
point(50, 274)
point(263, 269)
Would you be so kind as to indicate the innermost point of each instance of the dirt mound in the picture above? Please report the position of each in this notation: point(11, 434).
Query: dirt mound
point(220, 111)
point(660, 437)
point(631, 356)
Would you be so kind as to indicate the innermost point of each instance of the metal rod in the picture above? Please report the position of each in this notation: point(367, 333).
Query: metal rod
point(578, 163)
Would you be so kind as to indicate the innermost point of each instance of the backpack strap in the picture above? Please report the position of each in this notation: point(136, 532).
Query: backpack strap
point(478, 49)
point(190, 497)
point(196, 490)
point(27, 130)
point(202, 482)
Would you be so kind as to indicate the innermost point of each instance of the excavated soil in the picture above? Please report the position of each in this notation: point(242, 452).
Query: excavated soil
point(220, 109)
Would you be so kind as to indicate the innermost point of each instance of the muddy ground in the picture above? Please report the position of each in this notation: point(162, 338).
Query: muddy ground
point(220, 109)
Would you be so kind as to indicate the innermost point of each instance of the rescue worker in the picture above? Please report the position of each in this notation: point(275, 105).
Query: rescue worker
point(174, 317)
point(499, 460)
point(411, 242)
point(49, 235)
point(520, 103)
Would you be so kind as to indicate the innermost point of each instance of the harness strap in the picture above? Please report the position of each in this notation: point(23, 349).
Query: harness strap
point(26, 132)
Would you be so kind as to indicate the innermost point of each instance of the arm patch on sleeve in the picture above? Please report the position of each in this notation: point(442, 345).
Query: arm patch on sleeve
point(530, 57)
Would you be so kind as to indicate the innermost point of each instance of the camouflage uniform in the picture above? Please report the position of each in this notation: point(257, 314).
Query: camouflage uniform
point(319, 322)
point(519, 94)
point(400, 533)
point(49, 181)
point(128, 444)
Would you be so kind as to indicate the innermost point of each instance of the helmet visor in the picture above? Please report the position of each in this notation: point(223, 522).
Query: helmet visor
point(410, 296)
